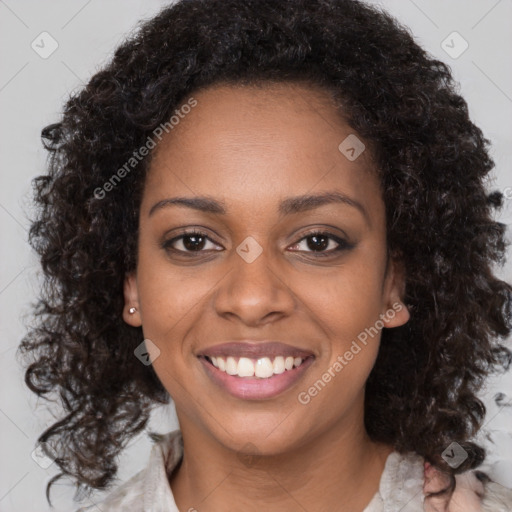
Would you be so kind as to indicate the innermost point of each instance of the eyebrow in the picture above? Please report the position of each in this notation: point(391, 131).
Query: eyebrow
point(288, 206)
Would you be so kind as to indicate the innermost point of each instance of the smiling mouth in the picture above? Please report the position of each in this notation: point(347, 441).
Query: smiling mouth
point(263, 378)
point(261, 368)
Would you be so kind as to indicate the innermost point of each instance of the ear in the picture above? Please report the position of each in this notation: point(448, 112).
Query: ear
point(396, 312)
point(131, 300)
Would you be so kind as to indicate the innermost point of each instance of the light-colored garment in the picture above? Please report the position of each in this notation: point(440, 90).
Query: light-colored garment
point(402, 486)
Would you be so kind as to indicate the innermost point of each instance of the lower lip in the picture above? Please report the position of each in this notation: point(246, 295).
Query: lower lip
point(253, 388)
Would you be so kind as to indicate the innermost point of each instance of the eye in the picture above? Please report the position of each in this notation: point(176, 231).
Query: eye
point(319, 241)
point(188, 242)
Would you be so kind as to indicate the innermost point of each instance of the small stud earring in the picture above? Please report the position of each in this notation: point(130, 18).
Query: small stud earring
point(132, 310)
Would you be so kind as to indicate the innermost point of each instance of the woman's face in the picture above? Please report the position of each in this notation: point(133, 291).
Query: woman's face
point(269, 164)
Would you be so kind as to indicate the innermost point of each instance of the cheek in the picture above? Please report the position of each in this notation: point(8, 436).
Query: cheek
point(346, 300)
point(349, 351)
point(167, 292)
point(170, 300)
point(347, 306)
point(170, 304)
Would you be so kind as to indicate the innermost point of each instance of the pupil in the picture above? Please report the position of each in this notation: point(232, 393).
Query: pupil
point(323, 244)
point(194, 246)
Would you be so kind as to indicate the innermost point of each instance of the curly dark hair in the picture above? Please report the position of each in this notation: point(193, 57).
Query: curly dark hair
point(432, 162)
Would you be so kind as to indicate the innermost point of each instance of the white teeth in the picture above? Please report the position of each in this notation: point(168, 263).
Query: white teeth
point(245, 367)
point(279, 365)
point(231, 366)
point(262, 368)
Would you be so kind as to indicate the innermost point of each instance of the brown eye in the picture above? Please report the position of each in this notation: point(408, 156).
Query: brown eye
point(190, 242)
point(318, 241)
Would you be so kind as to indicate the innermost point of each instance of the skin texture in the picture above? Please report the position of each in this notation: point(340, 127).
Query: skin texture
point(251, 148)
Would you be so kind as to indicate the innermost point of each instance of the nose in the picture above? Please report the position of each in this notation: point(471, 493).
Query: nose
point(254, 291)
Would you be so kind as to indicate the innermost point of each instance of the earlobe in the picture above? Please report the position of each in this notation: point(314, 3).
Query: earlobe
point(396, 313)
point(131, 310)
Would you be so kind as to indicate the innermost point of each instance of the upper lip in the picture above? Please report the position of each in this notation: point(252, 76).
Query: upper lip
point(254, 350)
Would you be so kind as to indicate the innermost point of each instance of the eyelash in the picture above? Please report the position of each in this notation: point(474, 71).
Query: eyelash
point(343, 245)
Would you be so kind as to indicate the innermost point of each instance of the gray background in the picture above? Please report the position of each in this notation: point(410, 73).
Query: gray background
point(32, 91)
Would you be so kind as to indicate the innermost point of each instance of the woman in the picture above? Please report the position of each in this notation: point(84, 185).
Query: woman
point(275, 215)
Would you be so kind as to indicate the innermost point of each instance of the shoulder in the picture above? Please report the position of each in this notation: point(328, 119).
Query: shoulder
point(471, 491)
point(149, 487)
point(128, 496)
point(410, 484)
point(497, 498)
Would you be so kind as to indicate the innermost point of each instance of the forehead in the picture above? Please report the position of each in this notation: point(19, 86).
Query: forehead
point(258, 144)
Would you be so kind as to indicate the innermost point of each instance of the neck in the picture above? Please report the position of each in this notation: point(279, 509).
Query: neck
point(338, 469)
